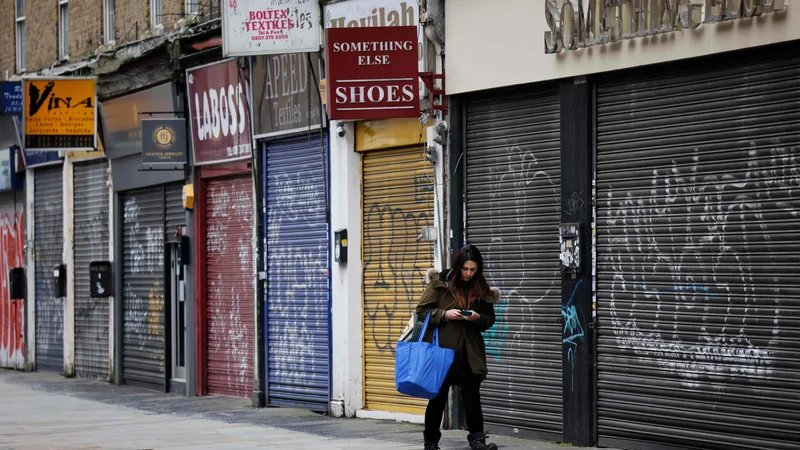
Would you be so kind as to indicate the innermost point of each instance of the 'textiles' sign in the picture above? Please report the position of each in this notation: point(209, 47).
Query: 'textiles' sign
point(572, 23)
point(59, 114)
point(372, 72)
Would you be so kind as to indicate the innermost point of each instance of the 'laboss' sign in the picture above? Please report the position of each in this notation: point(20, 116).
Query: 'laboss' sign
point(372, 72)
point(219, 114)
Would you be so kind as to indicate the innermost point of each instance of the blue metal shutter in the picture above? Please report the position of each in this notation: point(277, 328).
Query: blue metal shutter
point(298, 343)
point(513, 183)
point(48, 235)
point(698, 254)
point(91, 244)
point(143, 348)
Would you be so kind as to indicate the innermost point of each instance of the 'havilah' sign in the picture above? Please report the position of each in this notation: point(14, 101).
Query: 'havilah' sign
point(372, 72)
point(572, 23)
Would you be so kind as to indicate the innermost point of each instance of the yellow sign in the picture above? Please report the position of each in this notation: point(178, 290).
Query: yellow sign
point(60, 113)
point(188, 196)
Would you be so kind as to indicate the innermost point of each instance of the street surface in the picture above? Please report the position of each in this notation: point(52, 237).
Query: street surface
point(42, 411)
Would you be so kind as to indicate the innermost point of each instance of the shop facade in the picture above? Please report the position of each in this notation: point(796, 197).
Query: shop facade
point(222, 149)
point(667, 247)
point(149, 224)
point(290, 128)
point(12, 247)
point(386, 195)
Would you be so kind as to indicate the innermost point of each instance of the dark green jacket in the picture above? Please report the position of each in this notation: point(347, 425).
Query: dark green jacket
point(461, 335)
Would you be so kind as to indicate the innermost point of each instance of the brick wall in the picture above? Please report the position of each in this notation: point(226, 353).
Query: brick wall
point(7, 45)
point(41, 23)
point(86, 28)
point(132, 16)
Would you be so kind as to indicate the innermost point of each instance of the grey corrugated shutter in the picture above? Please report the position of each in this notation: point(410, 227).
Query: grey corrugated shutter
point(143, 288)
point(91, 244)
point(229, 286)
point(513, 189)
point(698, 255)
point(48, 234)
point(298, 309)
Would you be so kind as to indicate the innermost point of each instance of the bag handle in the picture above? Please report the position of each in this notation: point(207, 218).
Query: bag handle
point(424, 328)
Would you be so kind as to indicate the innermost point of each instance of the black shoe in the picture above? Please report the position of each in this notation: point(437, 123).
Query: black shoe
point(477, 441)
point(431, 446)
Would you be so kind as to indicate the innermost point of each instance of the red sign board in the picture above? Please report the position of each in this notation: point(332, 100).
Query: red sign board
point(219, 113)
point(372, 73)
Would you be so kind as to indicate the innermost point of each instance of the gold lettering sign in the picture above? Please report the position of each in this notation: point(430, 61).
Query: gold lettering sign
point(577, 24)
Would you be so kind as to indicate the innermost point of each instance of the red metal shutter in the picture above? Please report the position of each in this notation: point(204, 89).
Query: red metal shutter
point(229, 286)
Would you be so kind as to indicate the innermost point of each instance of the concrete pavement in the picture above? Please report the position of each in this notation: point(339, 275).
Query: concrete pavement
point(45, 411)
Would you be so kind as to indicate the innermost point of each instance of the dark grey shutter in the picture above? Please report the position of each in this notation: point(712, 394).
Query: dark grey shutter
point(513, 194)
point(698, 255)
point(143, 287)
point(48, 207)
point(91, 244)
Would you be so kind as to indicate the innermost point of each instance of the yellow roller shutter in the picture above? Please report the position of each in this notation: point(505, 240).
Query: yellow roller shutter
point(398, 201)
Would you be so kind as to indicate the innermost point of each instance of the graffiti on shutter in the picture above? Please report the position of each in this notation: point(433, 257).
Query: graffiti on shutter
point(143, 290)
point(513, 201)
point(12, 254)
point(229, 213)
point(698, 255)
point(297, 284)
point(398, 203)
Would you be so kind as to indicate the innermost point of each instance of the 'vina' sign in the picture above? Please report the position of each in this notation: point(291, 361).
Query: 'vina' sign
point(573, 25)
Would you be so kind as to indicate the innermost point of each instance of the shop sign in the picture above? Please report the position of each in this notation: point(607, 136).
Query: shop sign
point(60, 114)
point(285, 93)
point(259, 27)
point(219, 113)
point(11, 99)
point(163, 141)
point(122, 117)
point(372, 73)
point(572, 25)
point(378, 13)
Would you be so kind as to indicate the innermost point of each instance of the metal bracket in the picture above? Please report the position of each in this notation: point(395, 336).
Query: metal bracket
point(430, 78)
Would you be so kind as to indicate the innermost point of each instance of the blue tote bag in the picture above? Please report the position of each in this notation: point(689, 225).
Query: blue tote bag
point(420, 368)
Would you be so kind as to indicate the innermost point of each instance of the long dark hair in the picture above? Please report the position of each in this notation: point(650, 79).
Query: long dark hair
point(477, 286)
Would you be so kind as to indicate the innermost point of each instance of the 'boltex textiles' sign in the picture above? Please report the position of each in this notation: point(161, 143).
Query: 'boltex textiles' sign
point(372, 73)
point(572, 23)
point(59, 114)
point(219, 113)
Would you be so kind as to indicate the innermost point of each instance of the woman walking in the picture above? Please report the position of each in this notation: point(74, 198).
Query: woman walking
point(462, 308)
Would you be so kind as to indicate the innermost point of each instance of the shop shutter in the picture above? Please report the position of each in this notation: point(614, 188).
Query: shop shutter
point(49, 251)
point(229, 285)
point(512, 208)
point(143, 288)
point(698, 255)
point(12, 254)
point(298, 309)
point(91, 244)
point(398, 201)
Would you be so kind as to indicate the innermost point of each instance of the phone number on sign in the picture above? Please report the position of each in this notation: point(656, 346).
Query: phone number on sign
point(269, 37)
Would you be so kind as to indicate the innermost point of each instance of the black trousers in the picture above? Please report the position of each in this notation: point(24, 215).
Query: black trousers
point(470, 396)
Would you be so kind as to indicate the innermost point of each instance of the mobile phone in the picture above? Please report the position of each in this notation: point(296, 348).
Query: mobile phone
point(466, 312)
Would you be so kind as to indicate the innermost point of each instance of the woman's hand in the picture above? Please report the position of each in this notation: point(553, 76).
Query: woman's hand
point(473, 317)
point(453, 314)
